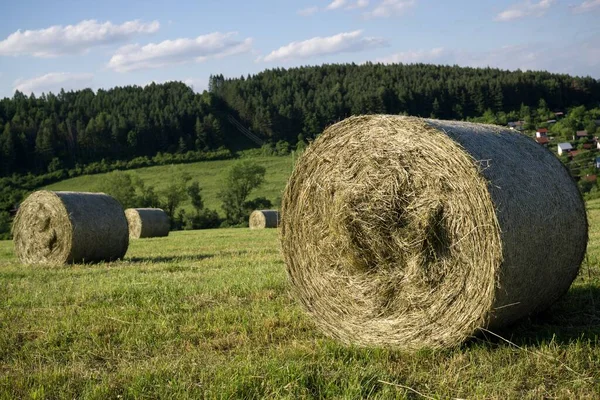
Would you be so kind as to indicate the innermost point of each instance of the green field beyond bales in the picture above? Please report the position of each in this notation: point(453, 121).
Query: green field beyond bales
point(208, 314)
point(209, 174)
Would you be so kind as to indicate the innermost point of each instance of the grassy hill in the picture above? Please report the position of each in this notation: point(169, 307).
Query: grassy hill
point(209, 174)
point(208, 314)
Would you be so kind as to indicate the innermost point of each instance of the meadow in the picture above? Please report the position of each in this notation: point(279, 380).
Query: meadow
point(210, 314)
point(209, 174)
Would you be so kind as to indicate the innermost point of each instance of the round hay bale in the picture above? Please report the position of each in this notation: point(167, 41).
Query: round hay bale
point(69, 227)
point(413, 233)
point(260, 219)
point(147, 222)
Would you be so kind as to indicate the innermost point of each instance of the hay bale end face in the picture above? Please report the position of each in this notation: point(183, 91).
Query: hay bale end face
point(69, 227)
point(260, 219)
point(413, 233)
point(147, 222)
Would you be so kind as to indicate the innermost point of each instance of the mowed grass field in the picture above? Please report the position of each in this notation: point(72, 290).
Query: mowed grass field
point(209, 314)
point(210, 175)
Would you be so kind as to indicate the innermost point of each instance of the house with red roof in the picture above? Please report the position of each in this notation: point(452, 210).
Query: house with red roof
point(541, 132)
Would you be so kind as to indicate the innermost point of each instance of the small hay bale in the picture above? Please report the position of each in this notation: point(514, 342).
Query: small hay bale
point(413, 233)
point(260, 219)
point(147, 222)
point(69, 227)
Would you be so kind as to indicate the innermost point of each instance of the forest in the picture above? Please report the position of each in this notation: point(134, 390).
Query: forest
point(61, 131)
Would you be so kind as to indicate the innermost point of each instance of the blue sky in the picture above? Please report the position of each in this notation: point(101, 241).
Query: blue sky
point(76, 44)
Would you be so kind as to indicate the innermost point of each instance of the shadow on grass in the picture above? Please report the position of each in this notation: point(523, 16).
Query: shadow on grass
point(168, 259)
point(574, 317)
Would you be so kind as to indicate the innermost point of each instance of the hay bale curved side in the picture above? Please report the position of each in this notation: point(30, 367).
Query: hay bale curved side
point(147, 222)
point(409, 232)
point(260, 219)
point(69, 227)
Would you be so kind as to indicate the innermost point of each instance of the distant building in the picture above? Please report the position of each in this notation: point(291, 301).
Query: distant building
point(541, 132)
point(590, 178)
point(518, 125)
point(588, 146)
point(542, 140)
point(551, 121)
point(597, 162)
point(559, 114)
point(564, 148)
point(580, 135)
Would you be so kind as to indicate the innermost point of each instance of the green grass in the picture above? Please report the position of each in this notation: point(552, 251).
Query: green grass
point(208, 314)
point(209, 174)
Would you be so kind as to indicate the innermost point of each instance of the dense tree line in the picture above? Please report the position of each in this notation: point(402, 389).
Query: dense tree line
point(281, 104)
point(59, 131)
point(52, 132)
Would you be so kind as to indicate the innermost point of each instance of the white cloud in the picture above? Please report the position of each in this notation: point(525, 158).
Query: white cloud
point(178, 51)
point(389, 8)
point(586, 6)
point(305, 12)
point(335, 4)
point(53, 82)
point(581, 58)
point(320, 46)
point(72, 39)
point(358, 4)
point(197, 85)
point(525, 9)
point(414, 56)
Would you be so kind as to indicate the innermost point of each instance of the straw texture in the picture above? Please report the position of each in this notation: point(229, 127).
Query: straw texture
point(414, 233)
point(69, 227)
point(260, 219)
point(147, 222)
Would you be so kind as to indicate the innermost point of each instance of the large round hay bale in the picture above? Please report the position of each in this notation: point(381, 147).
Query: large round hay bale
point(260, 219)
point(415, 233)
point(70, 227)
point(147, 222)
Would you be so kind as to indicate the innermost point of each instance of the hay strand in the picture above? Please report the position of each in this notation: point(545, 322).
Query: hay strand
point(260, 219)
point(147, 222)
point(413, 233)
point(69, 227)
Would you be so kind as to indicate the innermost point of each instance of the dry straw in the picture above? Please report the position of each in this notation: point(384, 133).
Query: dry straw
point(69, 227)
point(147, 222)
point(260, 219)
point(414, 233)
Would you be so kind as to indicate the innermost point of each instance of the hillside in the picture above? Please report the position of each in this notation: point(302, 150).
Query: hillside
point(209, 174)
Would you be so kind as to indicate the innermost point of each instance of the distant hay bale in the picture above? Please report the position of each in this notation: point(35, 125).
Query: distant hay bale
point(413, 233)
point(69, 227)
point(260, 219)
point(147, 222)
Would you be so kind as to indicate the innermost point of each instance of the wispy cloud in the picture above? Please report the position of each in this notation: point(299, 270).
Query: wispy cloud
point(178, 51)
point(414, 56)
point(525, 9)
point(197, 85)
point(305, 12)
point(587, 5)
point(53, 82)
point(358, 4)
point(345, 42)
point(580, 58)
point(335, 4)
point(72, 39)
point(390, 8)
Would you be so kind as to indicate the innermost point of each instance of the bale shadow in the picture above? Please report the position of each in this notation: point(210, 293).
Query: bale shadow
point(574, 317)
point(168, 259)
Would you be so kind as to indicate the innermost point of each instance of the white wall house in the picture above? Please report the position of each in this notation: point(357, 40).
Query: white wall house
point(564, 148)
